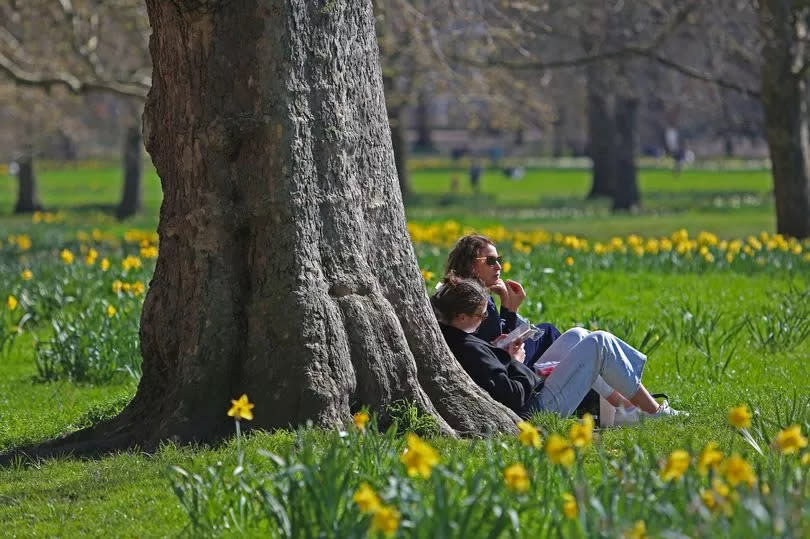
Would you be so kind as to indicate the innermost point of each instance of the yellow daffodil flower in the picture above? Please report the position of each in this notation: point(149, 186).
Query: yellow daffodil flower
point(740, 417)
point(104, 264)
point(111, 311)
point(360, 420)
point(737, 470)
point(638, 531)
point(570, 509)
point(581, 434)
point(366, 499)
point(241, 408)
point(11, 302)
point(67, 256)
point(419, 458)
point(131, 262)
point(711, 458)
point(676, 465)
point(385, 520)
point(559, 451)
point(790, 440)
point(529, 435)
point(27, 275)
point(516, 478)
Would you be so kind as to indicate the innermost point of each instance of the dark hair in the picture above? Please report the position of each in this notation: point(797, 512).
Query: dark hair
point(461, 258)
point(458, 296)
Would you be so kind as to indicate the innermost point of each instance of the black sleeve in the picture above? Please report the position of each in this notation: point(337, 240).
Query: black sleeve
point(509, 319)
point(503, 382)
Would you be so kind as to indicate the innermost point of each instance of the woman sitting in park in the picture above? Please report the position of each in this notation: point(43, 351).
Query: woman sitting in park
point(461, 305)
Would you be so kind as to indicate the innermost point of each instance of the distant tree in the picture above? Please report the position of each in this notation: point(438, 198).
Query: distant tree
point(85, 46)
point(785, 65)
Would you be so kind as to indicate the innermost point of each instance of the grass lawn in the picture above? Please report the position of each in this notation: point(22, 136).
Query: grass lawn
point(719, 334)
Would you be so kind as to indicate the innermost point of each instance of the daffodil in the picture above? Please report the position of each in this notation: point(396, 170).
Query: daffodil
point(507, 267)
point(111, 311)
point(419, 458)
point(427, 274)
point(740, 417)
point(360, 420)
point(805, 461)
point(138, 288)
point(790, 440)
point(366, 499)
point(711, 458)
point(24, 242)
point(149, 251)
point(11, 302)
point(67, 256)
point(570, 509)
point(91, 257)
point(131, 262)
point(528, 435)
point(676, 465)
point(104, 264)
point(27, 275)
point(737, 470)
point(117, 286)
point(559, 451)
point(516, 478)
point(569, 261)
point(241, 408)
point(581, 434)
point(638, 531)
point(385, 520)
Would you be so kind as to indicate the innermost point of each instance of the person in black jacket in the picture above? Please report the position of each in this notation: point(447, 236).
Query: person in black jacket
point(461, 306)
point(475, 256)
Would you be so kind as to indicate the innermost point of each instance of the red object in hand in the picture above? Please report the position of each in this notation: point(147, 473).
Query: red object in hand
point(545, 372)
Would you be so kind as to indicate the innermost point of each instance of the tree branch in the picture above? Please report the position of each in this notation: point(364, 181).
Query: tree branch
point(25, 77)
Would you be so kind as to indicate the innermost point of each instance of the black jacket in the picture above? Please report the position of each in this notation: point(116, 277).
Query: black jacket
point(508, 381)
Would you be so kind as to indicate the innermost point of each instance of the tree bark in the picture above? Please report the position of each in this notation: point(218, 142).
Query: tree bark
point(601, 139)
point(28, 188)
point(626, 194)
point(786, 116)
point(285, 268)
point(131, 197)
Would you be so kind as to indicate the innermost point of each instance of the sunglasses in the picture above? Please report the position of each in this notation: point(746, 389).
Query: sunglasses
point(491, 260)
point(482, 316)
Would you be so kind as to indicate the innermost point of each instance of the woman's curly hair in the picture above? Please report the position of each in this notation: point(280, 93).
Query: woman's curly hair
point(461, 258)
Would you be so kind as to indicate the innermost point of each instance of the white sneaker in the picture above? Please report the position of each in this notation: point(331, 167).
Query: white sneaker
point(665, 410)
point(626, 416)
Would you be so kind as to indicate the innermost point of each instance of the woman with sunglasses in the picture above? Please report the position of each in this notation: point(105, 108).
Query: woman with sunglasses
point(475, 256)
point(461, 305)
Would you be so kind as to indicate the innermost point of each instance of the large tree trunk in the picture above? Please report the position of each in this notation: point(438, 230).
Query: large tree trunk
point(285, 268)
point(626, 194)
point(786, 116)
point(601, 138)
point(131, 197)
point(28, 189)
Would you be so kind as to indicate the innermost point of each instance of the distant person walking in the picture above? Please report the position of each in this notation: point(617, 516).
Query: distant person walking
point(475, 176)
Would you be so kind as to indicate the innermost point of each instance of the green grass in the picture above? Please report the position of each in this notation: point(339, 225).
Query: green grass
point(130, 494)
point(731, 203)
